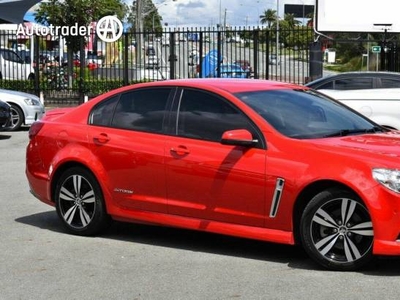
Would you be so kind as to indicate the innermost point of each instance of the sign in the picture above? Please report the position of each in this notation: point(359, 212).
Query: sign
point(376, 49)
point(109, 29)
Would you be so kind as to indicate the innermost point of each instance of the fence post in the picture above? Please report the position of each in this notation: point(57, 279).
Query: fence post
point(201, 54)
point(82, 60)
point(126, 73)
point(256, 37)
point(172, 55)
point(316, 66)
point(267, 44)
point(36, 67)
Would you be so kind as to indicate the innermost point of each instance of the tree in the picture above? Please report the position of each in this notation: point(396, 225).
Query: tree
point(268, 17)
point(291, 21)
point(151, 18)
point(80, 12)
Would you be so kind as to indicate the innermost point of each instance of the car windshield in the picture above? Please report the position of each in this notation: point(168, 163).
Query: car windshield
point(304, 114)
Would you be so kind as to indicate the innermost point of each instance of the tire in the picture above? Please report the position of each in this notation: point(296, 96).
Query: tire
point(17, 117)
point(336, 230)
point(80, 203)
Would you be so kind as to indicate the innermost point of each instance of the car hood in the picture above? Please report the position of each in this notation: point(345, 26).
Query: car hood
point(375, 145)
point(7, 93)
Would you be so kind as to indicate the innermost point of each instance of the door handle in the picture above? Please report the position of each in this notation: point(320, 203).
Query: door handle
point(102, 138)
point(180, 150)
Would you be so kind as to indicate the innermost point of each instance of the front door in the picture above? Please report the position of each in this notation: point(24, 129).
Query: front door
point(208, 180)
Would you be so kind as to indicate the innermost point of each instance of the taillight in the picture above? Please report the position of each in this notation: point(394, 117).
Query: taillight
point(34, 129)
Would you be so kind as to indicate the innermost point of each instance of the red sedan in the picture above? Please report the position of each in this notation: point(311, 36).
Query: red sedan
point(249, 158)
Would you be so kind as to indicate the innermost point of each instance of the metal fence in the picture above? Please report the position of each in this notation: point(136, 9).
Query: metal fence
point(40, 64)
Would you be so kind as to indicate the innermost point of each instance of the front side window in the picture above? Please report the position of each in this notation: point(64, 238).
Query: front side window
point(11, 56)
point(205, 116)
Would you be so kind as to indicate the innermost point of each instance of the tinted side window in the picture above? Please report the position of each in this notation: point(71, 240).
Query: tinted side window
point(326, 86)
point(102, 113)
point(390, 83)
point(206, 116)
point(354, 84)
point(142, 110)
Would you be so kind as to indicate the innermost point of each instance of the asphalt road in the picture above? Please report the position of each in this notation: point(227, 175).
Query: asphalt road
point(39, 261)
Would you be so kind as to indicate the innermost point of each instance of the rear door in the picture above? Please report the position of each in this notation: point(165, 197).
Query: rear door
point(208, 180)
point(128, 137)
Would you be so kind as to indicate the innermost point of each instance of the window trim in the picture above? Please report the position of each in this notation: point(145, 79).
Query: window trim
point(175, 115)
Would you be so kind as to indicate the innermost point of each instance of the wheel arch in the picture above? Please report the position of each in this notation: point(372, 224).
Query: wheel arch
point(15, 103)
point(75, 163)
point(305, 197)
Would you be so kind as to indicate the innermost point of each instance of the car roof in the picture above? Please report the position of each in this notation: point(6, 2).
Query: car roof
point(353, 74)
point(364, 94)
point(231, 85)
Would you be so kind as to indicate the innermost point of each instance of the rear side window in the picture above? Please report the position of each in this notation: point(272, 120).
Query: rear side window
point(142, 110)
point(388, 83)
point(354, 83)
point(103, 112)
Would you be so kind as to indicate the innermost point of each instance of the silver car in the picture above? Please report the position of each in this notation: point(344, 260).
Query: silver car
point(25, 108)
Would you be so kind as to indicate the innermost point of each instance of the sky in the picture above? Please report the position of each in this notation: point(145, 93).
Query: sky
point(206, 13)
point(209, 13)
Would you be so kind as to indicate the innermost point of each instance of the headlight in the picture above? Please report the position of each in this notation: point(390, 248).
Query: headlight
point(32, 102)
point(388, 178)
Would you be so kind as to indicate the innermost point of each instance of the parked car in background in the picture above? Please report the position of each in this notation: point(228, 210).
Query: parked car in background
point(25, 108)
point(250, 158)
point(230, 71)
point(152, 61)
point(274, 59)
point(13, 67)
point(357, 81)
point(94, 60)
point(380, 105)
point(5, 115)
point(245, 65)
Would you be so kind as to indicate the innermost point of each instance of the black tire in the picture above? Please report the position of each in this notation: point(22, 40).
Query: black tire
point(336, 230)
point(17, 117)
point(80, 202)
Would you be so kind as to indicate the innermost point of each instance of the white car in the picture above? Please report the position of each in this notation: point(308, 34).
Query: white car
point(25, 108)
point(380, 105)
point(13, 67)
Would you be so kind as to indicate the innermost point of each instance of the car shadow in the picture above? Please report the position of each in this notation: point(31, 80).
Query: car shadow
point(4, 136)
point(292, 256)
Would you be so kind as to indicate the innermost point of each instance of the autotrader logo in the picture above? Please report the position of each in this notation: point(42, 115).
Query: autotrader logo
point(109, 29)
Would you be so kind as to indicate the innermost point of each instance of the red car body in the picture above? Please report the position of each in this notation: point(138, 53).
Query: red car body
point(229, 187)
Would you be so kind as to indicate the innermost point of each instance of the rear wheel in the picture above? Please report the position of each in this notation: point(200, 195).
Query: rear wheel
point(336, 230)
point(80, 202)
point(17, 117)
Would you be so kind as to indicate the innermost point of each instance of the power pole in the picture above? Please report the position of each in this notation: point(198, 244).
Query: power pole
point(139, 31)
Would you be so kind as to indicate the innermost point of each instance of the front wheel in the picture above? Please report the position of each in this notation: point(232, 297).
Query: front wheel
point(17, 117)
point(336, 230)
point(80, 203)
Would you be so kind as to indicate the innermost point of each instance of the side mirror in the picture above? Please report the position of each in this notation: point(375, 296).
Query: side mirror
point(238, 137)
